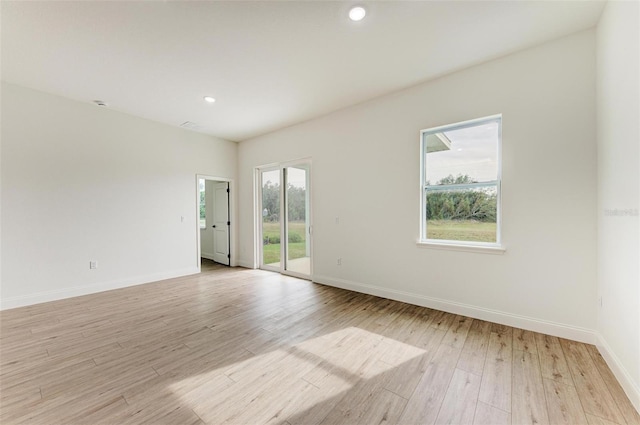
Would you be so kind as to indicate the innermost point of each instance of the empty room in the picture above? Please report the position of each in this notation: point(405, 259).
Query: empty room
point(320, 212)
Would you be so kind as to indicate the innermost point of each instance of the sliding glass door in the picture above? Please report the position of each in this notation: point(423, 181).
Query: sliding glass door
point(285, 219)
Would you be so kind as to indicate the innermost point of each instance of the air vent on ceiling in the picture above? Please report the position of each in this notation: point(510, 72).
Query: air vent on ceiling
point(190, 125)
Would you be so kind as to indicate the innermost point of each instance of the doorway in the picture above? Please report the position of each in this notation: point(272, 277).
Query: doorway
point(284, 216)
point(214, 223)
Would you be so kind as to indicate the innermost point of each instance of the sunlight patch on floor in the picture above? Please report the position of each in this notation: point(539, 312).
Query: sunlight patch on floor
point(290, 380)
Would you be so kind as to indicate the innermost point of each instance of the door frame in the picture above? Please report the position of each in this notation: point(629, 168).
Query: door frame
point(232, 227)
point(280, 166)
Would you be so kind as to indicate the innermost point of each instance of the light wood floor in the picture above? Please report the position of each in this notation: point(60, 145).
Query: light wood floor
point(250, 347)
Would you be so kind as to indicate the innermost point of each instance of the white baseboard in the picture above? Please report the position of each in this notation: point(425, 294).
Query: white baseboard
point(207, 256)
point(76, 291)
point(631, 388)
point(550, 328)
point(245, 264)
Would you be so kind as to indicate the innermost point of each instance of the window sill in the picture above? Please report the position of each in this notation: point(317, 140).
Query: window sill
point(483, 249)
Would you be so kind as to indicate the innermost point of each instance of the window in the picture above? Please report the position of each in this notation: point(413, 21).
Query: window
point(460, 175)
point(202, 204)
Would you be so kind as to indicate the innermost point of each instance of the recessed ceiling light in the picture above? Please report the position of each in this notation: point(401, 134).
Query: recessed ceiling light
point(357, 13)
point(209, 99)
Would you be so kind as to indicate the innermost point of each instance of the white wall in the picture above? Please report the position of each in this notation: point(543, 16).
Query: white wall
point(83, 183)
point(366, 172)
point(618, 91)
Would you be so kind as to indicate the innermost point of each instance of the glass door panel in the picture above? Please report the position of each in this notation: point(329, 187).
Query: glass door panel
point(297, 243)
point(271, 219)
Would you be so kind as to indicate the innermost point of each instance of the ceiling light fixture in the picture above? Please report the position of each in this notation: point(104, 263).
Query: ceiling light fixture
point(209, 99)
point(357, 13)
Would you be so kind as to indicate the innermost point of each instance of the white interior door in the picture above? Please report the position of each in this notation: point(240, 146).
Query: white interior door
point(221, 223)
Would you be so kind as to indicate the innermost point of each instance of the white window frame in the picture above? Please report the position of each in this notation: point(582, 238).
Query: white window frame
point(470, 246)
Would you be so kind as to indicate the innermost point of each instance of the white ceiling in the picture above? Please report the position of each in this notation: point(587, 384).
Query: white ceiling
point(268, 64)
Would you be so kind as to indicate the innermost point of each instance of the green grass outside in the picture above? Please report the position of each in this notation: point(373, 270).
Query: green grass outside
point(270, 229)
point(461, 230)
point(271, 252)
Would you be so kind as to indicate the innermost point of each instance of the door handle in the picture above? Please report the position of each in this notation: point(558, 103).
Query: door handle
point(213, 225)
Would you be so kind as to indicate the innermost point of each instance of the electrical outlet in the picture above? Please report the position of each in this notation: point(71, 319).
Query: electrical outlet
point(339, 261)
point(93, 265)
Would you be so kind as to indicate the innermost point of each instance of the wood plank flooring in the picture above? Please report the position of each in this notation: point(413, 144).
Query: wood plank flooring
point(237, 346)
